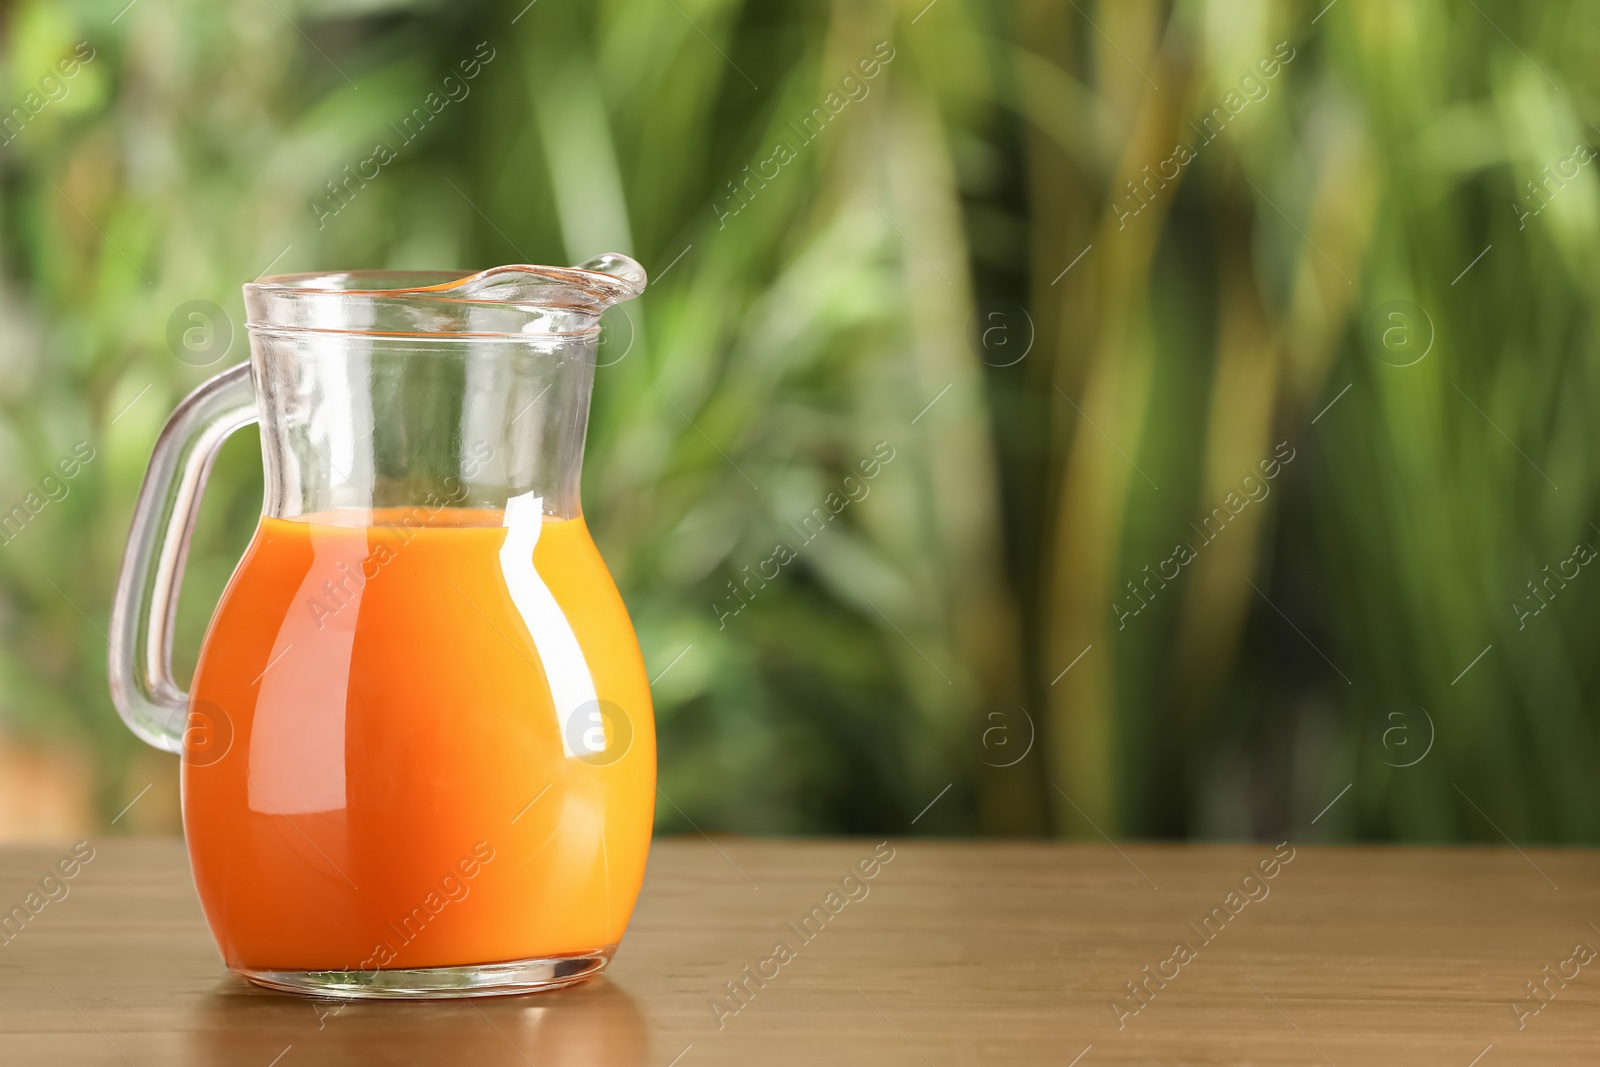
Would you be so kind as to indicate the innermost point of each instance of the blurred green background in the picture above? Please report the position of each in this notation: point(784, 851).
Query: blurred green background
point(1236, 359)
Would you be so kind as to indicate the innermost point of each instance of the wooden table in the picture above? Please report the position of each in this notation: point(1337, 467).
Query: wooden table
point(957, 954)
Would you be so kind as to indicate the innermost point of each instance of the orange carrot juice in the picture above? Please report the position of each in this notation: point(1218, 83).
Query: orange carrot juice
point(385, 779)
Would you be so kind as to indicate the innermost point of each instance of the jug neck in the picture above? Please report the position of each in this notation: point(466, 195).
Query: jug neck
point(355, 425)
point(391, 394)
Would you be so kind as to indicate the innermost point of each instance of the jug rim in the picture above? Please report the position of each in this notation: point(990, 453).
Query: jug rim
point(624, 281)
point(519, 297)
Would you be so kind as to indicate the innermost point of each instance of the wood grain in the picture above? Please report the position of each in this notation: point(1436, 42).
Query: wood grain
point(957, 953)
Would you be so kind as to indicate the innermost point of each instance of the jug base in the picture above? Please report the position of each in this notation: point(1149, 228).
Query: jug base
point(508, 978)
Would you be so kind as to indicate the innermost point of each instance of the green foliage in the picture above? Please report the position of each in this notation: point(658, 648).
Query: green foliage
point(816, 288)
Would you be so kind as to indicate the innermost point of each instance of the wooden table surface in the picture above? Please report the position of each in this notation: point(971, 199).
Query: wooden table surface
point(955, 953)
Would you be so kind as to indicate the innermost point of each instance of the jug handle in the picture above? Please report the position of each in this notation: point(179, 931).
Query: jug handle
point(146, 604)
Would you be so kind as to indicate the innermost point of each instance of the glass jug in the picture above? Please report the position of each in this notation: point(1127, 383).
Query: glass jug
point(419, 751)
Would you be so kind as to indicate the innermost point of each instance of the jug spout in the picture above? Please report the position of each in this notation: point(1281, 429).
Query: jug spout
point(618, 266)
point(596, 284)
